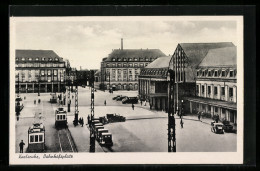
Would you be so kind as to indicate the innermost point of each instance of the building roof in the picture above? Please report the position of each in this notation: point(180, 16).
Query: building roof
point(35, 53)
point(161, 62)
point(220, 57)
point(197, 51)
point(135, 53)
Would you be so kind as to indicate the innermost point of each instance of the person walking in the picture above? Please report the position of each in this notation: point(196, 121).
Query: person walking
point(82, 122)
point(181, 123)
point(88, 119)
point(145, 103)
point(133, 106)
point(21, 146)
point(105, 102)
point(141, 102)
point(199, 116)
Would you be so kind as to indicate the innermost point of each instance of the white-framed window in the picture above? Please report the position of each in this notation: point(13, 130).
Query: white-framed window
point(215, 73)
point(23, 59)
point(42, 72)
point(49, 72)
point(35, 138)
point(136, 64)
point(55, 72)
point(142, 65)
point(223, 73)
point(30, 59)
point(130, 59)
point(209, 73)
point(231, 73)
point(130, 65)
point(135, 59)
point(113, 59)
point(37, 59)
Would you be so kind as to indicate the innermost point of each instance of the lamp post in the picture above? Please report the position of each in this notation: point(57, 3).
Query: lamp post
point(39, 85)
point(18, 85)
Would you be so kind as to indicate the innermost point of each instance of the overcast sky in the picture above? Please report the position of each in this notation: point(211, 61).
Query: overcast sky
point(85, 43)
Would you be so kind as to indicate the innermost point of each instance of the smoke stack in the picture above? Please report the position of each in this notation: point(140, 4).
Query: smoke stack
point(121, 43)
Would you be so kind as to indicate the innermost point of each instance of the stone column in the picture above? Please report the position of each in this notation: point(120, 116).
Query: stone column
point(235, 94)
point(212, 91)
point(219, 88)
point(190, 107)
point(205, 92)
point(226, 93)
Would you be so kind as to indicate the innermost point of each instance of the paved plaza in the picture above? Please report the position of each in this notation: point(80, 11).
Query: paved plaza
point(144, 130)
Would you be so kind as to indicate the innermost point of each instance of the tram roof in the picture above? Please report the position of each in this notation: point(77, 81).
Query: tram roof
point(36, 127)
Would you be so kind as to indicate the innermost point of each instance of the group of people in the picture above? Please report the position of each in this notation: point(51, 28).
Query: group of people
point(39, 101)
point(81, 121)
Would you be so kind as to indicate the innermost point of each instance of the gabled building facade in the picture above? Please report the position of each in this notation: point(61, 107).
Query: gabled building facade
point(216, 84)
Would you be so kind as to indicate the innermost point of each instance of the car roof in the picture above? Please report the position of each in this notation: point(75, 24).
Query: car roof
point(106, 133)
point(103, 130)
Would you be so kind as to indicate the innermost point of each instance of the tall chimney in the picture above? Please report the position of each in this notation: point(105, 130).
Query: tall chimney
point(121, 43)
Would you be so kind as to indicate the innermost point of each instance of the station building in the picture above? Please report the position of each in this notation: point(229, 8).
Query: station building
point(41, 70)
point(184, 63)
point(216, 84)
point(120, 70)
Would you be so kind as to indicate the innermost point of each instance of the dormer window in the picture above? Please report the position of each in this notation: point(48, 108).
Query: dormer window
point(216, 74)
point(135, 59)
point(146, 59)
point(23, 59)
point(37, 59)
point(56, 59)
point(125, 59)
point(198, 73)
point(113, 59)
point(231, 73)
point(223, 73)
point(118, 59)
point(209, 73)
point(203, 73)
point(130, 59)
point(30, 59)
point(50, 59)
point(17, 59)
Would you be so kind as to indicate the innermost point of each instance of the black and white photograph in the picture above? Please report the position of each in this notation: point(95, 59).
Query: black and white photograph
point(126, 90)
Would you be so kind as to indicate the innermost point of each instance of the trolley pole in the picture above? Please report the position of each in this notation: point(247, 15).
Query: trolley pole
point(171, 119)
point(18, 85)
point(92, 131)
point(38, 86)
point(76, 102)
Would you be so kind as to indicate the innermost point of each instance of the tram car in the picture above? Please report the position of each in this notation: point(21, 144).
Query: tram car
point(60, 117)
point(36, 138)
point(106, 139)
point(97, 128)
point(99, 133)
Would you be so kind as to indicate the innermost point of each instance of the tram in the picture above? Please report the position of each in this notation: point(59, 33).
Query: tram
point(60, 117)
point(36, 138)
point(106, 139)
point(99, 133)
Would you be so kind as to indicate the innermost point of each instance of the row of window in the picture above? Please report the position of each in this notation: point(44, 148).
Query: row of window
point(133, 59)
point(42, 73)
point(153, 72)
point(36, 138)
point(37, 59)
point(126, 65)
point(215, 90)
point(40, 65)
point(216, 73)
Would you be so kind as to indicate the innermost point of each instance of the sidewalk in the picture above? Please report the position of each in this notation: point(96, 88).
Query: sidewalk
point(80, 136)
point(195, 118)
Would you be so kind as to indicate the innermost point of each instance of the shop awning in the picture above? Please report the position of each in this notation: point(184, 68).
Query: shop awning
point(213, 102)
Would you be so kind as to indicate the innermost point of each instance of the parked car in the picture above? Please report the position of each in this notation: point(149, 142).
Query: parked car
point(217, 128)
point(130, 100)
point(120, 98)
point(114, 98)
point(227, 126)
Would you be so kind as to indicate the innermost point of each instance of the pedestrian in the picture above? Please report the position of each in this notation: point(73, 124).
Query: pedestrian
point(88, 119)
point(105, 102)
point(34, 101)
point(141, 102)
point(133, 106)
point(145, 103)
point(199, 116)
point(181, 123)
point(217, 118)
point(82, 122)
point(39, 101)
point(21, 146)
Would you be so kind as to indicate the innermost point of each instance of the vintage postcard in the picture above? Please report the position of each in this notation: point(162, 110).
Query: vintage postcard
point(126, 90)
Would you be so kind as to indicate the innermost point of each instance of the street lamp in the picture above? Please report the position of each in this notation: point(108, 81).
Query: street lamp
point(39, 85)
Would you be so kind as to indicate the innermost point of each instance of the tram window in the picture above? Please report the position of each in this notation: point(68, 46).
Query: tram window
point(36, 138)
point(40, 138)
point(63, 116)
point(31, 138)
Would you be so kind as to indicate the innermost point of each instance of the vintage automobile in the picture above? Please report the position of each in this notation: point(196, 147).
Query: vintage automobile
point(53, 98)
point(106, 139)
point(103, 120)
point(115, 118)
point(131, 100)
point(217, 128)
point(36, 138)
point(99, 133)
point(60, 117)
point(227, 126)
point(18, 104)
point(114, 98)
point(120, 98)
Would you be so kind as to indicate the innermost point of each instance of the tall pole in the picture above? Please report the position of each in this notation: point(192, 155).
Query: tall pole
point(60, 81)
point(76, 100)
point(171, 119)
point(92, 131)
point(18, 85)
point(39, 84)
